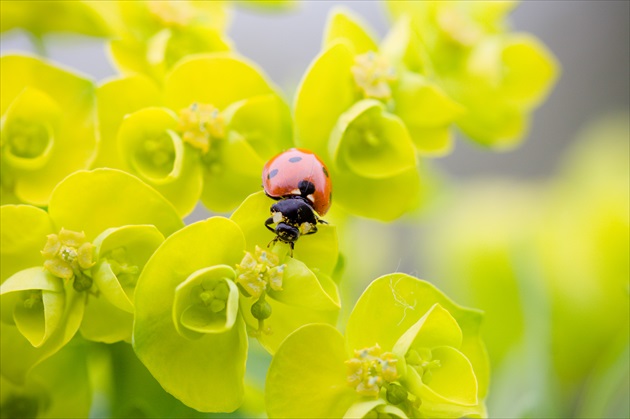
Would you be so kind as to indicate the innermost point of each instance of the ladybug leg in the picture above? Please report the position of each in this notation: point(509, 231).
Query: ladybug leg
point(274, 241)
point(313, 230)
point(268, 222)
point(319, 220)
point(292, 244)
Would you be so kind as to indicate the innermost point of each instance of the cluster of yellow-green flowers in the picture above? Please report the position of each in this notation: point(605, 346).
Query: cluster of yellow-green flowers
point(99, 271)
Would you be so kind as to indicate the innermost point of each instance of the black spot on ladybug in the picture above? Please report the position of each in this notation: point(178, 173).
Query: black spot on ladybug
point(325, 171)
point(272, 173)
point(295, 159)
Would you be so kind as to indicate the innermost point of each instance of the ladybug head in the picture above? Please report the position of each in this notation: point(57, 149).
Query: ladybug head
point(287, 233)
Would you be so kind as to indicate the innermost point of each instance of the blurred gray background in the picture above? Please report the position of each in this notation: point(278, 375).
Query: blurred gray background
point(591, 39)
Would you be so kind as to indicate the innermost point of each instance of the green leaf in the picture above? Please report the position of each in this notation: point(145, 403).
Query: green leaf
point(115, 99)
point(371, 143)
point(97, 200)
point(314, 355)
point(318, 251)
point(23, 235)
point(153, 151)
point(326, 91)
point(204, 373)
point(345, 26)
point(218, 79)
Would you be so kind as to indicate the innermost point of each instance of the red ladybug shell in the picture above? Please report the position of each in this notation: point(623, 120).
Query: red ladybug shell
point(282, 174)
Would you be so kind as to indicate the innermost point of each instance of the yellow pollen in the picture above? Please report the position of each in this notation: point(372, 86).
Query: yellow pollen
point(373, 75)
point(370, 369)
point(68, 254)
point(259, 272)
point(200, 124)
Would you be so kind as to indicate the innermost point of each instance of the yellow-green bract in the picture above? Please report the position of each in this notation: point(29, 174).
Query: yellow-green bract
point(194, 299)
point(206, 134)
point(95, 237)
point(152, 36)
point(466, 48)
point(48, 128)
point(409, 351)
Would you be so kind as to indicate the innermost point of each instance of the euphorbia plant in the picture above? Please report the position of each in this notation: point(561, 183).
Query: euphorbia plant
point(212, 283)
point(48, 128)
point(75, 266)
point(204, 135)
point(106, 253)
point(408, 351)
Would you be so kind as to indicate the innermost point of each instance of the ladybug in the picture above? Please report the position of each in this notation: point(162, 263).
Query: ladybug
point(300, 182)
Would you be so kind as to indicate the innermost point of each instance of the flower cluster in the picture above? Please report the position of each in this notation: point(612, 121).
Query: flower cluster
point(99, 272)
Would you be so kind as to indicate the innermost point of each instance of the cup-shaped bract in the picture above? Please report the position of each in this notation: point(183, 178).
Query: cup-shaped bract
point(304, 293)
point(409, 351)
point(367, 115)
point(188, 331)
point(211, 284)
point(48, 127)
point(497, 76)
point(92, 243)
point(206, 134)
point(154, 35)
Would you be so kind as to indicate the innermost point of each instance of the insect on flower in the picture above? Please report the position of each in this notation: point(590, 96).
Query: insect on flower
point(300, 182)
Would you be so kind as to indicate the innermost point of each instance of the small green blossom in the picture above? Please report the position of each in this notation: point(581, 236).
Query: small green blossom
point(408, 352)
point(210, 285)
point(68, 256)
point(200, 124)
point(205, 134)
point(154, 35)
point(373, 75)
point(499, 77)
point(370, 370)
point(48, 128)
point(76, 265)
point(256, 274)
